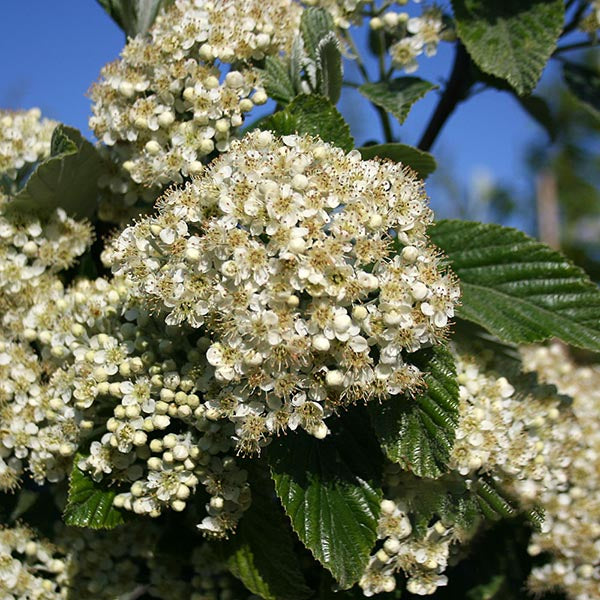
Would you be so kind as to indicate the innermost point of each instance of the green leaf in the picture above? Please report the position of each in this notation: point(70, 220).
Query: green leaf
point(330, 491)
point(492, 503)
point(397, 96)
point(89, 503)
point(276, 80)
point(584, 84)
point(511, 39)
point(315, 25)
point(329, 68)
point(133, 16)
point(421, 162)
point(518, 288)
point(67, 179)
point(261, 554)
point(419, 433)
point(312, 115)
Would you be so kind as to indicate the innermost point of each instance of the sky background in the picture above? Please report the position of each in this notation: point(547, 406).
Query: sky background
point(51, 52)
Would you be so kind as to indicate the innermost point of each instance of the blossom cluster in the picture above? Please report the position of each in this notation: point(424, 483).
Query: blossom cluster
point(571, 533)
point(108, 565)
point(282, 252)
point(177, 95)
point(413, 36)
point(24, 140)
point(421, 556)
point(530, 445)
point(118, 376)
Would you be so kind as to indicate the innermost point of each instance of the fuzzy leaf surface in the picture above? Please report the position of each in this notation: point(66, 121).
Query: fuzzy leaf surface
point(330, 490)
point(419, 161)
point(67, 179)
point(329, 68)
point(315, 25)
point(312, 115)
point(517, 288)
point(397, 96)
point(511, 39)
point(90, 504)
point(419, 433)
point(276, 79)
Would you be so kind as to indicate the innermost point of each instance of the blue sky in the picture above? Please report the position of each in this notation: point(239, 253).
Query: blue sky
point(50, 53)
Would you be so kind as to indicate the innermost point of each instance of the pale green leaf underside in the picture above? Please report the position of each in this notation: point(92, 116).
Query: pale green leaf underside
point(419, 161)
point(419, 433)
point(397, 96)
point(133, 16)
point(68, 179)
point(328, 491)
point(518, 288)
point(276, 79)
point(89, 504)
point(511, 39)
point(312, 115)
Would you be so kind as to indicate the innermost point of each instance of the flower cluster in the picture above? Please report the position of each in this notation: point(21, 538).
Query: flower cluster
point(32, 251)
point(414, 35)
point(571, 533)
point(108, 565)
point(24, 140)
point(177, 95)
point(526, 443)
point(29, 567)
point(116, 372)
point(283, 252)
point(422, 557)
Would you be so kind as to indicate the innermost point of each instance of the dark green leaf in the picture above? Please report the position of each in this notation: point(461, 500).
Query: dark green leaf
point(133, 16)
point(511, 39)
point(276, 80)
point(90, 504)
point(584, 83)
point(492, 503)
point(330, 491)
point(422, 162)
point(67, 179)
point(315, 25)
point(397, 96)
point(518, 288)
point(261, 553)
point(329, 68)
point(312, 115)
point(419, 433)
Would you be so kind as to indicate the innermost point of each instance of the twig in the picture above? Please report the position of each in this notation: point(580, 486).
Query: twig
point(456, 90)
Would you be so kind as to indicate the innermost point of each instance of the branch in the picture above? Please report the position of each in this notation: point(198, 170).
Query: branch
point(456, 90)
